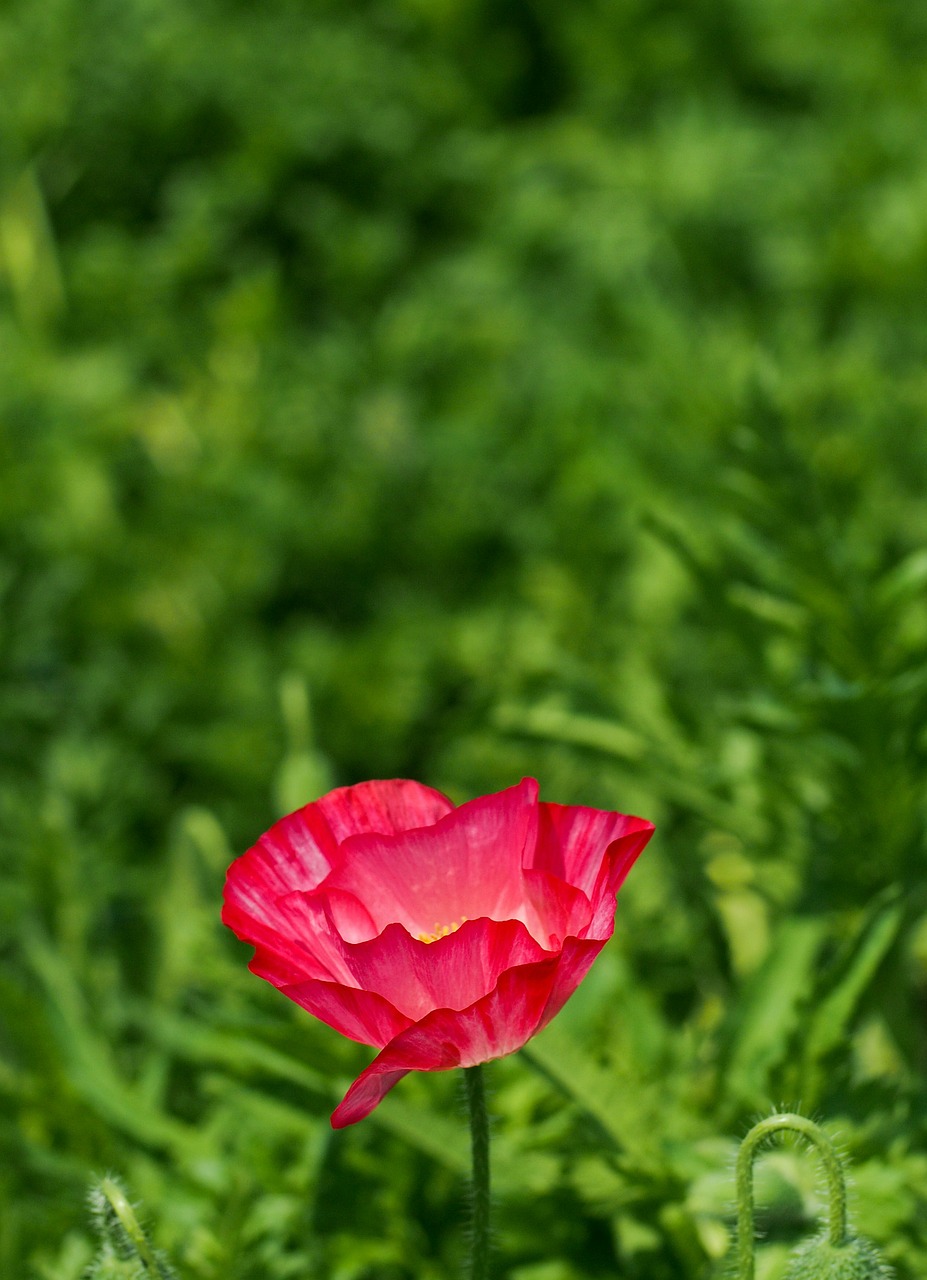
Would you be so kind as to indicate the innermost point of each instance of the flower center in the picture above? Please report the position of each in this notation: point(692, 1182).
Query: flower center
point(442, 930)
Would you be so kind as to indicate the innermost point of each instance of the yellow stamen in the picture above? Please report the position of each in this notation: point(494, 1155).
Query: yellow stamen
point(442, 930)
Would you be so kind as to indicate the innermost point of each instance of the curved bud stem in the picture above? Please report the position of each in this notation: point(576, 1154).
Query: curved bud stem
point(836, 1184)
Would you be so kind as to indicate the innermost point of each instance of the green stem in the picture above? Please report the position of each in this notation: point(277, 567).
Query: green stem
point(126, 1215)
point(836, 1185)
point(479, 1136)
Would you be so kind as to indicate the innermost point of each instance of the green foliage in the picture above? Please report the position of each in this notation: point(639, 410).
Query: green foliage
point(457, 391)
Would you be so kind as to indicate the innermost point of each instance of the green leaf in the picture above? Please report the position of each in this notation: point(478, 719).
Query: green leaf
point(831, 1021)
point(769, 1008)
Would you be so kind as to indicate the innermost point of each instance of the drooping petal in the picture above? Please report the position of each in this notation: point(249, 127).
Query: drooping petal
point(466, 866)
point(494, 1026)
point(572, 840)
point(369, 1090)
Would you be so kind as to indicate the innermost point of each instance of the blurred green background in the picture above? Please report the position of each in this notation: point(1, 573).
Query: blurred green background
point(459, 389)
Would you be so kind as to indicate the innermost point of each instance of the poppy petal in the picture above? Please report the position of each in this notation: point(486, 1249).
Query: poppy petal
point(575, 962)
point(572, 838)
point(618, 861)
point(467, 865)
point(388, 807)
point(494, 1026)
point(298, 939)
point(449, 973)
point(296, 853)
point(359, 1015)
point(553, 909)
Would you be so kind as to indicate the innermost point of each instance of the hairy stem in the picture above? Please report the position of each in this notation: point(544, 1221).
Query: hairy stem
point(836, 1184)
point(126, 1215)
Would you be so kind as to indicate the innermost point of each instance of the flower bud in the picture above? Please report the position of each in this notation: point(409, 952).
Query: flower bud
point(855, 1259)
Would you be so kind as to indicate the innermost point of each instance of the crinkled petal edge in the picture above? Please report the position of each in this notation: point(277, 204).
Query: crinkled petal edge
point(523, 1001)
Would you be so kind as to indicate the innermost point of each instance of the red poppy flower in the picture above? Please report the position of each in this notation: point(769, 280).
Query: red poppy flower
point(443, 936)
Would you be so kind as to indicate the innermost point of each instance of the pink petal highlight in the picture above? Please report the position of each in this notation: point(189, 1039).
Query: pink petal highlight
point(308, 918)
point(468, 864)
point(296, 853)
point(300, 939)
point(386, 807)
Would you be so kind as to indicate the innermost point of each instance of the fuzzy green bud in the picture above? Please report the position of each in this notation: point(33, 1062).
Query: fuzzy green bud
point(855, 1259)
